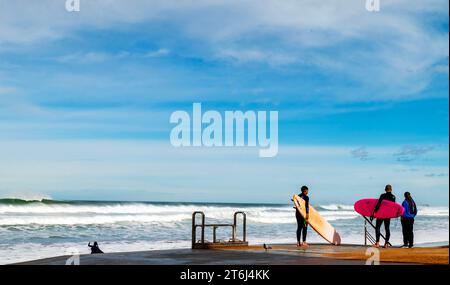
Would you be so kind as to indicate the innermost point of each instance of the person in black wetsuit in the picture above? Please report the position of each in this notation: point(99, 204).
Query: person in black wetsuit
point(390, 197)
point(302, 224)
point(94, 248)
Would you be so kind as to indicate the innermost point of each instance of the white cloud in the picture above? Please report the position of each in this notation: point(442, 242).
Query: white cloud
point(7, 90)
point(441, 69)
point(79, 57)
point(157, 53)
point(393, 52)
point(92, 57)
point(256, 55)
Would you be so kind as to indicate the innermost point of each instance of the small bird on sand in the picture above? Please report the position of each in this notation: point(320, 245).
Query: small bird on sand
point(266, 247)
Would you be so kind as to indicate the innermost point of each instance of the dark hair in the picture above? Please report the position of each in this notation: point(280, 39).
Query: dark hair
point(389, 186)
point(411, 203)
point(304, 188)
point(95, 243)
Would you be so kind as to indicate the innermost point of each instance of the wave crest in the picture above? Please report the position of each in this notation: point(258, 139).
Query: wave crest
point(53, 212)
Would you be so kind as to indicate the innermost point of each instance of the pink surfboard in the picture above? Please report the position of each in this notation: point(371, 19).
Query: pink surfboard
point(387, 209)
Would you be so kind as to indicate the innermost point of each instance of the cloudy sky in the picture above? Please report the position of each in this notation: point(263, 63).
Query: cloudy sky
point(86, 97)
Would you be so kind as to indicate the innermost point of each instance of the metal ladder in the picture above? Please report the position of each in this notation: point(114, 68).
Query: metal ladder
point(202, 243)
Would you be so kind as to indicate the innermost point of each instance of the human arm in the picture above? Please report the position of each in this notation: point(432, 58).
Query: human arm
point(377, 206)
point(307, 207)
point(405, 208)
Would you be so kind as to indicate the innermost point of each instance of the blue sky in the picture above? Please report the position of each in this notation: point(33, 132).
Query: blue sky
point(85, 98)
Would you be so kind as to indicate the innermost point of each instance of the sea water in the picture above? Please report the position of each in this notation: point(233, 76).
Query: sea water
point(46, 228)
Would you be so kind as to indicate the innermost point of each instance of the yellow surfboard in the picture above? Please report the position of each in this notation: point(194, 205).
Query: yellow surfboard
point(317, 222)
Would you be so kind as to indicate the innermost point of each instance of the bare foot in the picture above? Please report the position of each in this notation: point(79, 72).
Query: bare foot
point(386, 245)
point(299, 244)
point(377, 245)
point(305, 244)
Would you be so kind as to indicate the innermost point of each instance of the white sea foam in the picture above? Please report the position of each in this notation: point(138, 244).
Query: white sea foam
point(67, 214)
point(433, 211)
point(92, 220)
point(48, 229)
point(336, 207)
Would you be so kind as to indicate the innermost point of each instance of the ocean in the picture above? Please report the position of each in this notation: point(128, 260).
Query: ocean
point(46, 228)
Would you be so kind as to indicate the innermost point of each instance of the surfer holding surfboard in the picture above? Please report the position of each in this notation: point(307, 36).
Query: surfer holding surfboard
point(389, 197)
point(302, 222)
point(307, 215)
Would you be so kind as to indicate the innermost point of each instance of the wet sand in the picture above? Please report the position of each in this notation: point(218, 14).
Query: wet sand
point(279, 254)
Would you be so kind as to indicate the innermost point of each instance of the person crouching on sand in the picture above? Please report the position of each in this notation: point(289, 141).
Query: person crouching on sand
point(408, 220)
point(94, 248)
point(302, 224)
point(387, 222)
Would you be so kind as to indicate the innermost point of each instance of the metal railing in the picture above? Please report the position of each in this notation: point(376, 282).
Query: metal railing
point(369, 237)
point(214, 227)
point(194, 227)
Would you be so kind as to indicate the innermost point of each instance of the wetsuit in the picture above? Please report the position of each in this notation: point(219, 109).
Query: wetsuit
point(387, 222)
point(302, 225)
point(95, 249)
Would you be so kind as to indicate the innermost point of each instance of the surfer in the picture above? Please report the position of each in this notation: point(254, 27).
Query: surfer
point(302, 224)
point(408, 220)
point(94, 248)
point(390, 197)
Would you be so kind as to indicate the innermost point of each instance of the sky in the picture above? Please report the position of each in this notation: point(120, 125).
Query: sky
point(86, 97)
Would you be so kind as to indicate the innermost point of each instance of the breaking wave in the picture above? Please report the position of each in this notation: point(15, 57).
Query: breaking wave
point(53, 212)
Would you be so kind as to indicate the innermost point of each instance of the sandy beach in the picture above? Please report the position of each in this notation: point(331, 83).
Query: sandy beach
point(279, 254)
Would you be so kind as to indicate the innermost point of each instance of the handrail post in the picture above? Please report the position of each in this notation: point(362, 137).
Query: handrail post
point(244, 225)
point(233, 238)
point(194, 228)
point(365, 232)
point(203, 228)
